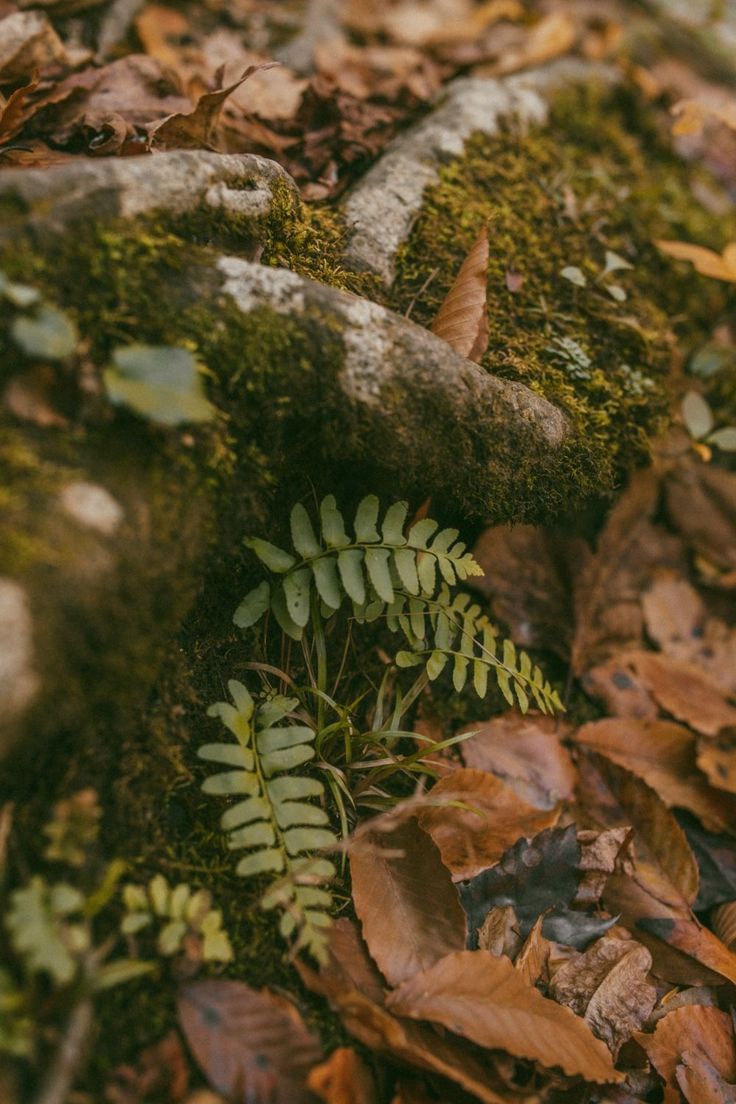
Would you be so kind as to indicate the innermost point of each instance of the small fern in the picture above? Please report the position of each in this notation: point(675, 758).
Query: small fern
point(368, 568)
point(461, 633)
point(275, 822)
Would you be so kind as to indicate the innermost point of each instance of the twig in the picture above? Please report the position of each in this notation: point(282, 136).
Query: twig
point(69, 1056)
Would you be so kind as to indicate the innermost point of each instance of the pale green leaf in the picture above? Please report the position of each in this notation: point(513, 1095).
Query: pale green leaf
point(333, 524)
point(724, 439)
point(327, 581)
point(408, 659)
point(231, 755)
point(574, 274)
point(274, 739)
point(290, 813)
point(253, 808)
point(480, 677)
point(275, 559)
point(366, 518)
point(270, 861)
point(436, 664)
point(120, 971)
point(393, 523)
point(161, 382)
point(298, 840)
point(350, 565)
point(697, 415)
point(460, 672)
point(258, 834)
point(297, 587)
point(377, 562)
point(405, 560)
point(253, 606)
point(282, 615)
point(427, 571)
point(49, 334)
point(290, 788)
point(302, 533)
point(420, 532)
point(287, 759)
point(170, 937)
point(231, 782)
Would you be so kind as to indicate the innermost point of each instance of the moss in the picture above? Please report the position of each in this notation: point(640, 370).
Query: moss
point(597, 179)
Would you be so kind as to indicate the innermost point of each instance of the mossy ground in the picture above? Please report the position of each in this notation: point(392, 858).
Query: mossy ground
point(598, 179)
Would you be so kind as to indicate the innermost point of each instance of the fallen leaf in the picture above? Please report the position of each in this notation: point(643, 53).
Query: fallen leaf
point(535, 876)
point(407, 904)
point(249, 1044)
point(608, 986)
point(343, 1079)
point(531, 961)
point(485, 817)
point(194, 129)
point(462, 320)
point(701, 504)
point(616, 685)
point(161, 1073)
point(684, 691)
point(16, 111)
point(700, 1082)
point(486, 999)
point(707, 1030)
point(716, 858)
point(555, 34)
point(525, 580)
point(664, 755)
point(526, 753)
point(717, 759)
point(705, 261)
point(601, 853)
point(499, 932)
point(28, 42)
point(690, 115)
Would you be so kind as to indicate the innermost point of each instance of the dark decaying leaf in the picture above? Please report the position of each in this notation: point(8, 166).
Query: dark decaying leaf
point(535, 876)
point(475, 817)
point(526, 753)
point(487, 1000)
point(608, 986)
point(406, 902)
point(715, 854)
point(251, 1045)
point(462, 320)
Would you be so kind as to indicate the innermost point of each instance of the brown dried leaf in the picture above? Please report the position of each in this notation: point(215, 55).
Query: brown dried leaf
point(555, 34)
point(663, 754)
point(525, 578)
point(705, 261)
point(494, 817)
point(701, 504)
point(499, 932)
point(700, 1082)
point(685, 691)
point(462, 320)
point(601, 853)
point(531, 961)
point(249, 1044)
point(630, 550)
point(717, 759)
point(194, 129)
point(694, 1028)
point(15, 111)
point(723, 922)
point(487, 1000)
point(28, 42)
point(161, 1074)
point(526, 753)
point(614, 797)
point(343, 1079)
point(615, 684)
point(608, 986)
point(408, 907)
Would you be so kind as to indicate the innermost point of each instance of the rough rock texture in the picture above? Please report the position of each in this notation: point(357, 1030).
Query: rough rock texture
point(238, 187)
point(382, 207)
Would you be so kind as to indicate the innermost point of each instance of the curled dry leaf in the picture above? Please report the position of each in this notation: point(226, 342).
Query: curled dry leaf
point(531, 961)
point(487, 1000)
point(705, 261)
point(462, 320)
point(601, 853)
point(28, 42)
point(195, 129)
point(485, 818)
point(723, 922)
point(407, 904)
point(525, 579)
point(250, 1045)
point(499, 932)
point(694, 1028)
point(663, 754)
point(343, 1079)
point(684, 691)
point(700, 1082)
point(553, 36)
point(717, 759)
point(608, 986)
point(526, 753)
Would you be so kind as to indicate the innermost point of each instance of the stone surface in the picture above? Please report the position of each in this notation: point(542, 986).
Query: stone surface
point(239, 187)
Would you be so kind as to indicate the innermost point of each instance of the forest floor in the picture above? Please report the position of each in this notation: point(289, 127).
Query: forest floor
point(495, 860)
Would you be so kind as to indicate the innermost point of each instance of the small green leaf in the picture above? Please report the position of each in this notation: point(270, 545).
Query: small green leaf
point(302, 533)
point(436, 664)
point(269, 861)
point(120, 971)
point(231, 782)
point(20, 295)
point(49, 334)
point(616, 292)
point(575, 275)
point(377, 565)
point(420, 532)
point(614, 263)
point(298, 840)
point(427, 571)
point(276, 761)
point(253, 606)
point(480, 677)
point(327, 581)
point(365, 520)
point(697, 415)
point(393, 524)
point(274, 558)
point(297, 587)
point(245, 812)
point(724, 439)
point(405, 560)
point(408, 659)
point(159, 381)
point(350, 565)
point(282, 615)
point(333, 524)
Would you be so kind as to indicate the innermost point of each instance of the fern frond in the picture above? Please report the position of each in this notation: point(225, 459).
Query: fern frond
point(454, 629)
point(367, 568)
point(275, 821)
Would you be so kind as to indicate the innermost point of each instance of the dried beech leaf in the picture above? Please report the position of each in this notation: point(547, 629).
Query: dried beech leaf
point(614, 797)
point(476, 836)
point(487, 1000)
point(249, 1044)
point(717, 759)
point(415, 1045)
point(721, 266)
point(700, 1082)
point(685, 691)
point(343, 1079)
point(723, 922)
point(663, 754)
point(630, 550)
point(701, 504)
point(462, 320)
point(525, 579)
point(716, 857)
point(601, 853)
point(499, 932)
point(195, 129)
point(526, 753)
point(616, 685)
point(531, 961)
point(408, 907)
point(707, 1030)
point(608, 986)
point(555, 34)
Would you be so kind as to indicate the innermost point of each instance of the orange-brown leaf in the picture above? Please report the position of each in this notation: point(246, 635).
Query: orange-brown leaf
point(488, 1001)
point(692, 1028)
point(720, 266)
point(343, 1079)
point(462, 320)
